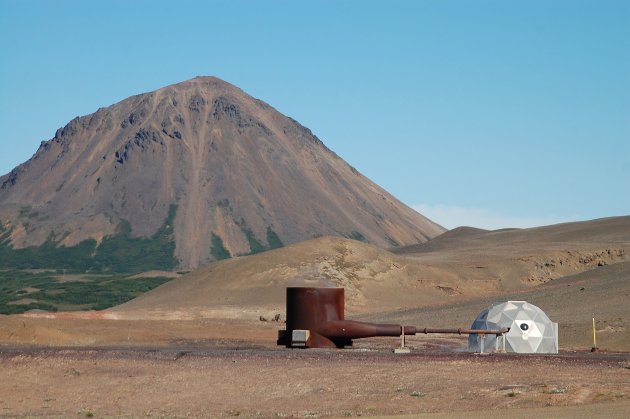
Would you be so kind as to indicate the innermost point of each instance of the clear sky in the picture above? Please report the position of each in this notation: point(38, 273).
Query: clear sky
point(485, 113)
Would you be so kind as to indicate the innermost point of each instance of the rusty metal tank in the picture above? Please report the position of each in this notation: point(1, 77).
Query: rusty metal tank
point(315, 319)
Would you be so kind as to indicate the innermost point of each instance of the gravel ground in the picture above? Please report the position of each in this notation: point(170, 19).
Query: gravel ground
point(223, 379)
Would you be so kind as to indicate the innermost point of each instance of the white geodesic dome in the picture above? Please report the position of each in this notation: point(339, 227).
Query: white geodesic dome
point(531, 331)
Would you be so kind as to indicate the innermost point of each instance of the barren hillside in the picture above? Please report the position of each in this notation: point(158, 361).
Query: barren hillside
point(505, 263)
point(200, 164)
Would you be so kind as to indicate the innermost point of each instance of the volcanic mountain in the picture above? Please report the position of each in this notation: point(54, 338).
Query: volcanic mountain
point(192, 172)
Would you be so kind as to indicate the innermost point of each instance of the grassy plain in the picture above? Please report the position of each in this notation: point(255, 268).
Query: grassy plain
point(24, 290)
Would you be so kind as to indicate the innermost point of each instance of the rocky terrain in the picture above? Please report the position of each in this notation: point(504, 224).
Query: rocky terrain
point(199, 171)
point(254, 382)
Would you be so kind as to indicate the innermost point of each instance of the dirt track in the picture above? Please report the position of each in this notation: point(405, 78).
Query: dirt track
point(226, 379)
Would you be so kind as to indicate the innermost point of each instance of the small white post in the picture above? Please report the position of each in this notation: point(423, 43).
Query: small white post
point(594, 348)
point(402, 349)
point(402, 337)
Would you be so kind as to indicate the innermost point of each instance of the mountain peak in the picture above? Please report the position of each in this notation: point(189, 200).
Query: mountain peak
point(204, 166)
point(205, 85)
point(207, 82)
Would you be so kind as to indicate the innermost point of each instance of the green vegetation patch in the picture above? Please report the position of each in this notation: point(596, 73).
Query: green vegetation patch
point(273, 241)
point(218, 249)
point(219, 252)
point(117, 253)
point(355, 235)
point(255, 246)
point(44, 291)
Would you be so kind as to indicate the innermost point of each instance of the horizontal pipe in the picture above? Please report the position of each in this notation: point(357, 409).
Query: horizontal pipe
point(427, 330)
point(334, 329)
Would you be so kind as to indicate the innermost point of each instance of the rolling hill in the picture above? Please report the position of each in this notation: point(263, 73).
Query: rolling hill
point(461, 265)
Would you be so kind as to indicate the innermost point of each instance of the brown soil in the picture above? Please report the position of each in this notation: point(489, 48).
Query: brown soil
point(212, 368)
point(231, 378)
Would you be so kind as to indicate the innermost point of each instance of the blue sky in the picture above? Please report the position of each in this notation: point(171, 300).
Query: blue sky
point(485, 113)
